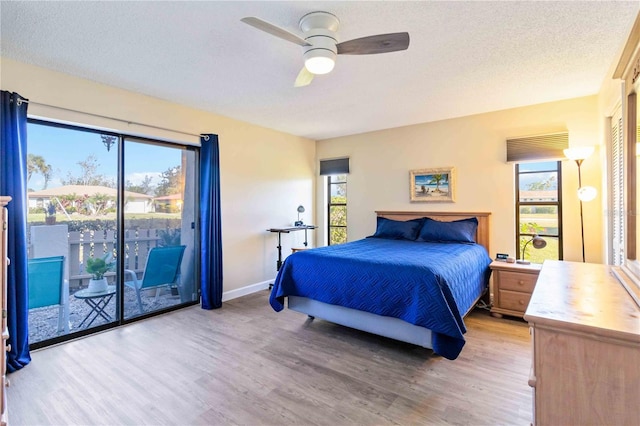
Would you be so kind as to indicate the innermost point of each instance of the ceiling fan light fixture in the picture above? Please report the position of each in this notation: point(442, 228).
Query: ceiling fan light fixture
point(320, 42)
point(319, 61)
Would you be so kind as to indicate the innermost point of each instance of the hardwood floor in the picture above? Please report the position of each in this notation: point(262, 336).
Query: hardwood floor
point(246, 364)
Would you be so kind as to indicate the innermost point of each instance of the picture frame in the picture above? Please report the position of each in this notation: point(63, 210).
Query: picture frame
point(433, 185)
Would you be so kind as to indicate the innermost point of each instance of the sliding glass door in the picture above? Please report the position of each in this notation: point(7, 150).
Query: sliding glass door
point(159, 227)
point(111, 229)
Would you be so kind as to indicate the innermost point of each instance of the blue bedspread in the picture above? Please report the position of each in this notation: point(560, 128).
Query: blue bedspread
point(427, 284)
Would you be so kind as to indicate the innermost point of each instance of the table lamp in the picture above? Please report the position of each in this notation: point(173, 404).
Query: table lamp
point(299, 222)
point(538, 242)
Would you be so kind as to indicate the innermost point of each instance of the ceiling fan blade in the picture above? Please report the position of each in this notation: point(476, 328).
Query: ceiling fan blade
point(304, 78)
point(381, 43)
point(275, 30)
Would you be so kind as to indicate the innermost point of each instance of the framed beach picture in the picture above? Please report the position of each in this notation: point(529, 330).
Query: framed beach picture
point(433, 185)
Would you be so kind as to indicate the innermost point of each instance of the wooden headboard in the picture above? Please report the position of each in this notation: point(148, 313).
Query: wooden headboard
point(482, 234)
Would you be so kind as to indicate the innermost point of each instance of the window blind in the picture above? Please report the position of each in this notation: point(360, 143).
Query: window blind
point(617, 189)
point(335, 166)
point(538, 148)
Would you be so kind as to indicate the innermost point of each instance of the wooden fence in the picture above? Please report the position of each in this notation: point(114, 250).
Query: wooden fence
point(82, 245)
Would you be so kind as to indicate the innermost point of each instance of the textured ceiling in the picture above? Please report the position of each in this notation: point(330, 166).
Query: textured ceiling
point(464, 58)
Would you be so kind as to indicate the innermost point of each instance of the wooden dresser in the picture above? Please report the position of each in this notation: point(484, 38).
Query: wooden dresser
point(4, 262)
point(513, 284)
point(585, 331)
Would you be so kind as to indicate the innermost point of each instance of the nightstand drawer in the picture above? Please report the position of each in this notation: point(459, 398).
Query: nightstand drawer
point(518, 281)
point(514, 300)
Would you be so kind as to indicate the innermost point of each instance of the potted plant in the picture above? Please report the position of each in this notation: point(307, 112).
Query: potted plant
point(97, 267)
point(50, 214)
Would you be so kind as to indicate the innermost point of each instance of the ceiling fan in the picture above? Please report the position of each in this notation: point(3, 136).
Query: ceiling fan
point(321, 45)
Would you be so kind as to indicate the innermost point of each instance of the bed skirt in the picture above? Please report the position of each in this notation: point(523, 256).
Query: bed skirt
point(391, 327)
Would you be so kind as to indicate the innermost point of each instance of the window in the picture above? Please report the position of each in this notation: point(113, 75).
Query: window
point(336, 171)
point(337, 208)
point(539, 209)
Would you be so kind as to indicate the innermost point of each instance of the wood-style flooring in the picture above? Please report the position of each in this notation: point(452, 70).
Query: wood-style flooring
point(246, 364)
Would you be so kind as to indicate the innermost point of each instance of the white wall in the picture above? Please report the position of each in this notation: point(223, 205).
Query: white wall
point(265, 174)
point(476, 147)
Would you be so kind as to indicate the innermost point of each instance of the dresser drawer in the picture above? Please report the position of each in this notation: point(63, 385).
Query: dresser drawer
point(517, 281)
point(514, 300)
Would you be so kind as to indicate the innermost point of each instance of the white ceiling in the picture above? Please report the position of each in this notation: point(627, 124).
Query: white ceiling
point(464, 57)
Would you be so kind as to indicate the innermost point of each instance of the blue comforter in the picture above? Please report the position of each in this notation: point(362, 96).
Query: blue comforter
point(427, 284)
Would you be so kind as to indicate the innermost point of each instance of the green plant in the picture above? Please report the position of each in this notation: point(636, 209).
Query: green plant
point(170, 237)
point(98, 266)
point(51, 209)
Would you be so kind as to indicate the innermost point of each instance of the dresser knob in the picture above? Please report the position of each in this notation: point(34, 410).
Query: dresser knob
point(521, 282)
point(521, 302)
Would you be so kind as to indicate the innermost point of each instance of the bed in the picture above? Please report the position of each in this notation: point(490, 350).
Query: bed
point(411, 281)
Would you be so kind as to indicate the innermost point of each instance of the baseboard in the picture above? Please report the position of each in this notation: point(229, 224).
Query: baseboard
point(239, 292)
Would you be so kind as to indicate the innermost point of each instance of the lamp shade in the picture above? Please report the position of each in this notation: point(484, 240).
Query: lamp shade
point(538, 242)
point(319, 61)
point(579, 152)
point(587, 193)
point(299, 222)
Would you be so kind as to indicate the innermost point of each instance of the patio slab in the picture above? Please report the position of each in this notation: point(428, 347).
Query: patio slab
point(43, 322)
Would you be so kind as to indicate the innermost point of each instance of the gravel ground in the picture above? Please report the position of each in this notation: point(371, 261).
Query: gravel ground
point(43, 322)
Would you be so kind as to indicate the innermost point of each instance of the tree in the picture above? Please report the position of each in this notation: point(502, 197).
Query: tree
point(37, 164)
point(99, 204)
point(144, 188)
point(171, 182)
point(338, 210)
point(89, 174)
point(437, 179)
point(544, 185)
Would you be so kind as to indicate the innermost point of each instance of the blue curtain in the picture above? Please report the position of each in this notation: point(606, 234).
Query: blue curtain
point(211, 225)
point(13, 182)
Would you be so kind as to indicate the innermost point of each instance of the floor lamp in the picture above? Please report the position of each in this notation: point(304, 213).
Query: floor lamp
point(585, 193)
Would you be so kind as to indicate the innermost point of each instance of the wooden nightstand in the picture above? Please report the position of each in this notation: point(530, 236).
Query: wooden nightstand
point(513, 284)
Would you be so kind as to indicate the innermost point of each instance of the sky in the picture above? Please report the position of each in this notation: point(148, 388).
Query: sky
point(428, 180)
point(63, 148)
point(540, 174)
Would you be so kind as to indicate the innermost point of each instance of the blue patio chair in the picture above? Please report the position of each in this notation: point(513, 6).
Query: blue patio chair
point(162, 269)
point(47, 287)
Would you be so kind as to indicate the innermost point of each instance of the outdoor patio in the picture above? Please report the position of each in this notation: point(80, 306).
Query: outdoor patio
point(43, 322)
point(78, 248)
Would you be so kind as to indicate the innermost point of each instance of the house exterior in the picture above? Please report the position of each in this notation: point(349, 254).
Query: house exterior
point(168, 203)
point(134, 202)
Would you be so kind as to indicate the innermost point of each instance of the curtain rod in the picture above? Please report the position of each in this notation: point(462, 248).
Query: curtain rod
point(111, 118)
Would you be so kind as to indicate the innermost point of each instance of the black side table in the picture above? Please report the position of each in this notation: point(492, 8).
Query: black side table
point(98, 302)
point(281, 231)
